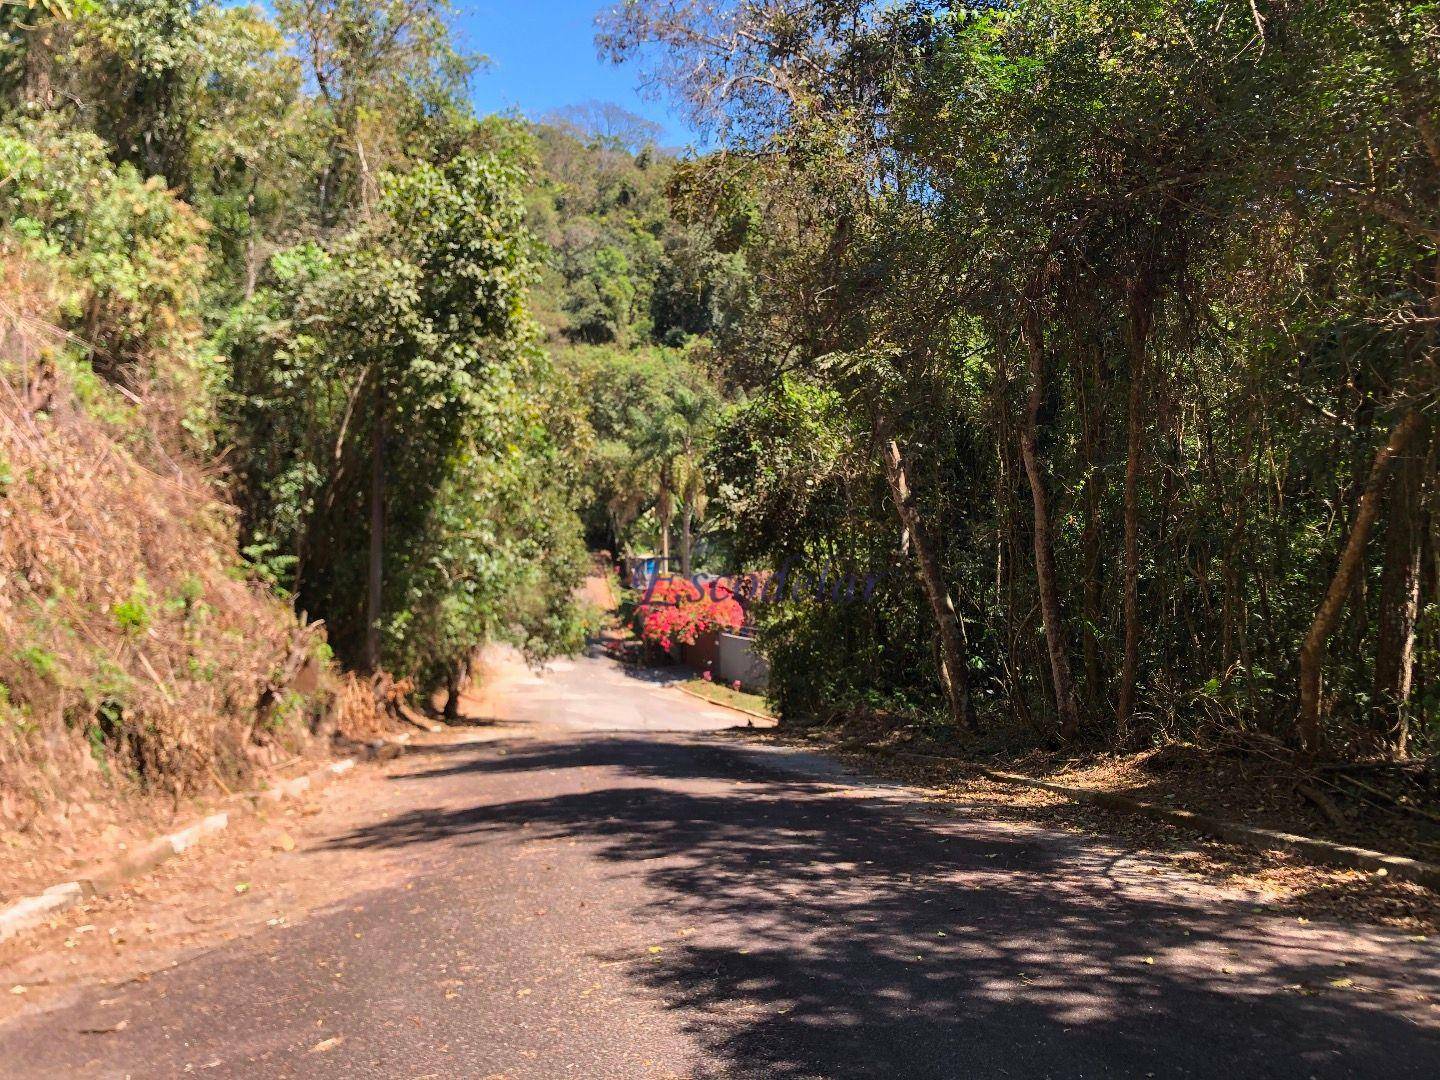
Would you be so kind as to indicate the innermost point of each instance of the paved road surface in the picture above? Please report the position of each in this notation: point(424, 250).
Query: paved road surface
point(607, 892)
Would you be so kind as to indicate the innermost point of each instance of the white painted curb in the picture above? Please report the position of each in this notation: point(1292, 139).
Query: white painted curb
point(32, 911)
point(187, 838)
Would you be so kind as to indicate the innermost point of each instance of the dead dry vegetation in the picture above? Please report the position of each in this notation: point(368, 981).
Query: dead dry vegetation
point(140, 663)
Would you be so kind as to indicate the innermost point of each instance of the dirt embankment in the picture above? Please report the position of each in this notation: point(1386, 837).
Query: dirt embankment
point(142, 664)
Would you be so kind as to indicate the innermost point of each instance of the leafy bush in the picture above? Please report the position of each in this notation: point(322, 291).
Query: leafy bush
point(132, 253)
point(679, 610)
point(132, 615)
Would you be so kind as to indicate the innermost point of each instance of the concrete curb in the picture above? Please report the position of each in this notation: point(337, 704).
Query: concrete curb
point(31, 911)
point(723, 705)
point(1325, 852)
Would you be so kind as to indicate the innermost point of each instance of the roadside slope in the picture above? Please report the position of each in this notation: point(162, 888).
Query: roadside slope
point(142, 663)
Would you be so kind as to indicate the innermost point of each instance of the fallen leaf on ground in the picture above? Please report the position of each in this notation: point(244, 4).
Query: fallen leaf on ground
point(120, 1026)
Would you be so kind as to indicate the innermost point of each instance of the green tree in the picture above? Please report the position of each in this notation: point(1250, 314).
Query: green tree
point(1143, 278)
point(385, 71)
point(400, 362)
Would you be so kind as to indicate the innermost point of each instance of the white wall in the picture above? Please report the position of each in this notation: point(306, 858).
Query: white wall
point(739, 660)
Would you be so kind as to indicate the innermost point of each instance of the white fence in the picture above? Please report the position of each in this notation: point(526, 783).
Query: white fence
point(739, 660)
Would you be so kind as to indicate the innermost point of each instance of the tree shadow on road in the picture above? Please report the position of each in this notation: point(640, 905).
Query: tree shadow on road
point(839, 935)
point(657, 676)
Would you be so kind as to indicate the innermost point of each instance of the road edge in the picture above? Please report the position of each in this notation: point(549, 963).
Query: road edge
point(30, 912)
point(1323, 852)
point(723, 705)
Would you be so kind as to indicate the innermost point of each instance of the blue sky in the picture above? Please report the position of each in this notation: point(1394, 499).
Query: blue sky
point(542, 55)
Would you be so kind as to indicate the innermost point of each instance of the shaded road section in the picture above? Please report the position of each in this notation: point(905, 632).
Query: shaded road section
point(608, 891)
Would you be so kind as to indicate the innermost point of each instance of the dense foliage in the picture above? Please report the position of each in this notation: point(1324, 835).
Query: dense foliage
point(1102, 336)
point(1115, 326)
point(631, 297)
point(296, 222)
point(404, 347)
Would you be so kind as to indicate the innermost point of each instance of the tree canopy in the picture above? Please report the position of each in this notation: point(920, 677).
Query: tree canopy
point(1120, 322)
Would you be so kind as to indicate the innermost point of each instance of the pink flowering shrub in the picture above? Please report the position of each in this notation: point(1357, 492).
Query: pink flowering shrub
point(670, 591)
point(678, 611)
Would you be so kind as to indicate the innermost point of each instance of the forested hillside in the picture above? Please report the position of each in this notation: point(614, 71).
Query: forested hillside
point(1112, 328)
point(273, 387)
point(638, 300)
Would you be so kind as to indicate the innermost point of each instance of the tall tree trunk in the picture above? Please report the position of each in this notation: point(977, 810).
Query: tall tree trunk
point(665, 513)
point(373, 610)
point(455, 677)
point(1400, 595)
point(252, 249)
point(36, 90)
point(954, 677)
point(687, 520)
point(1327, 616)
point(369, 192)
point(1067, 714)
point(1140, 323)
point(1092, 441)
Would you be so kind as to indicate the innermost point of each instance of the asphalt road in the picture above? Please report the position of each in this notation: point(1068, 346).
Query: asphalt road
point(607, 891)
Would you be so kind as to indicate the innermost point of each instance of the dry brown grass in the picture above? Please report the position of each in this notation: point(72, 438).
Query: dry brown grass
point(139, 664)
